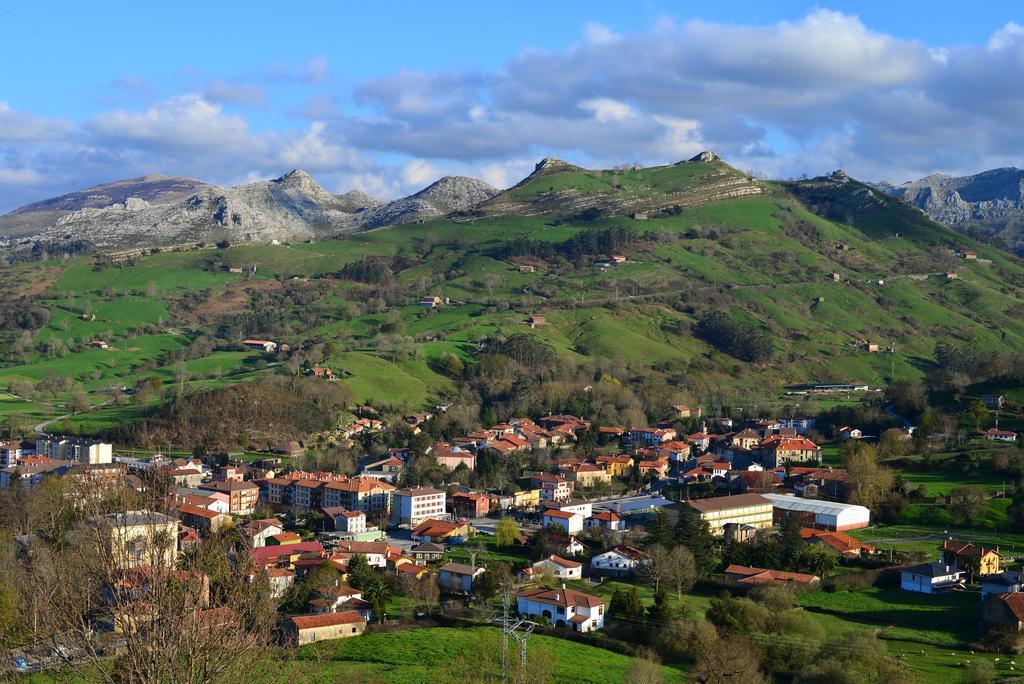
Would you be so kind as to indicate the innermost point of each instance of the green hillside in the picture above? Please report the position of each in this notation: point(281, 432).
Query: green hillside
point(764, 256)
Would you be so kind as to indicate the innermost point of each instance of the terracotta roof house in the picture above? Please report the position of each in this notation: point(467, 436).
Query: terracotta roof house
point(974, 560)
point(840, 541)
point(746, 575)
point(307, 629)
point(563, 608)
point(562, 568)
point(441, 530)
point(619, 561)
point(1004, 610)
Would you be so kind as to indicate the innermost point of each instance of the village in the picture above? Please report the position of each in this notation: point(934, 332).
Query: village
point(336, 550)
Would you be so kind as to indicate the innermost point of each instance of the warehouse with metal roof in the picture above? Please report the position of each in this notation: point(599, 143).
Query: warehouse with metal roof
point(826, 515)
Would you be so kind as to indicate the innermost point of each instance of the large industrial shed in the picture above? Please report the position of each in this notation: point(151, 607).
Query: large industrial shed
point(825, 515)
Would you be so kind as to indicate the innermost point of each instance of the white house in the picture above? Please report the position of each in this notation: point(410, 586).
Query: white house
point(563, 608)
point(620, 561)
point(562, 568)
point(606, 519)
point(584, 508)
point(570, 522)
point(931, 578)
point(265, 345)
point(1006, 582)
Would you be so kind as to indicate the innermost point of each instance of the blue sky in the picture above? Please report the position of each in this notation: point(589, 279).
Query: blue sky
point(389, 96)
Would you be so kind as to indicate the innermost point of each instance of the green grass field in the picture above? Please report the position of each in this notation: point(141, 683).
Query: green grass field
point(452, 655)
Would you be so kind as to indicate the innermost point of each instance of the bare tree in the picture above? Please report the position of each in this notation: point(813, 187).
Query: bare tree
point(108, 583)
point(657, 569)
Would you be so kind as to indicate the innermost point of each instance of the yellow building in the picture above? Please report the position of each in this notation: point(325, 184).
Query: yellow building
point(743, 509)
point(616, 466)
point(528, 498)
point(141, 538)
point(584, 474)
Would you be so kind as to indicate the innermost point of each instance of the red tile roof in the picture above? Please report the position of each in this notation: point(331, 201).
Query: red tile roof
point(348, 617)
point(561, 597)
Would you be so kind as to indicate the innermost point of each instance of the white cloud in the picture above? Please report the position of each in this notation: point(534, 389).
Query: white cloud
point(185, 121)
point(606, 109)
point(23, 126)
point(419, 172)
point(20, 176)
point(598, 34)
point(807, 95)
point(315, 151)
point(1008, 36)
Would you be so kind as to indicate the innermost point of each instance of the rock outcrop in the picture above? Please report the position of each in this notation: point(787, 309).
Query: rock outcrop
point(991, 202)
point(447, 195)
point(155, 211)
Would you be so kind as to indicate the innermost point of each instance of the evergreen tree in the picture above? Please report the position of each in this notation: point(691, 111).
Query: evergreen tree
point(694, 534)
point(659, 530)
point(360, 574)
point(790, 543)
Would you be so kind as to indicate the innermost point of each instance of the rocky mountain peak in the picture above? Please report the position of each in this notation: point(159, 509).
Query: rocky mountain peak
point(553, 165)
point(705, 157)
point(456, 193)
point(358, 200)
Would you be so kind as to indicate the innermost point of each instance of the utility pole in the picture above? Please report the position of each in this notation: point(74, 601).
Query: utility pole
point(520, 630)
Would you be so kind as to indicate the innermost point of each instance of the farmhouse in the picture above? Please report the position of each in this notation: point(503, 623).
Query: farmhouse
point(457, 577)
point(931, 578)
point(562, 568)
point(997, 435)
point(826, 515)
point(1004, 610)
point(778, 450)
point(263, 345)
point(843, 543)
point(563, 607)
point(745, 575)
point(441, 530)
point(620, 561)
point(975, 560)
point(307, 629)
point(754, 510)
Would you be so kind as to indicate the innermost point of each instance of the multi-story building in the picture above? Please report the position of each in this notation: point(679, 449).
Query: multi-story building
point(413, 506)
point(90, 452)
point(552, 487)
point(243, 496)
point(470, 504)
point(10, 452)
point(32, 473)
point(139, 538)
point(754, 510)
point(359, 494)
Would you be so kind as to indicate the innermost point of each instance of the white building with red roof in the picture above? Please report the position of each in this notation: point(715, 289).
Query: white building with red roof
point(563, 608)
